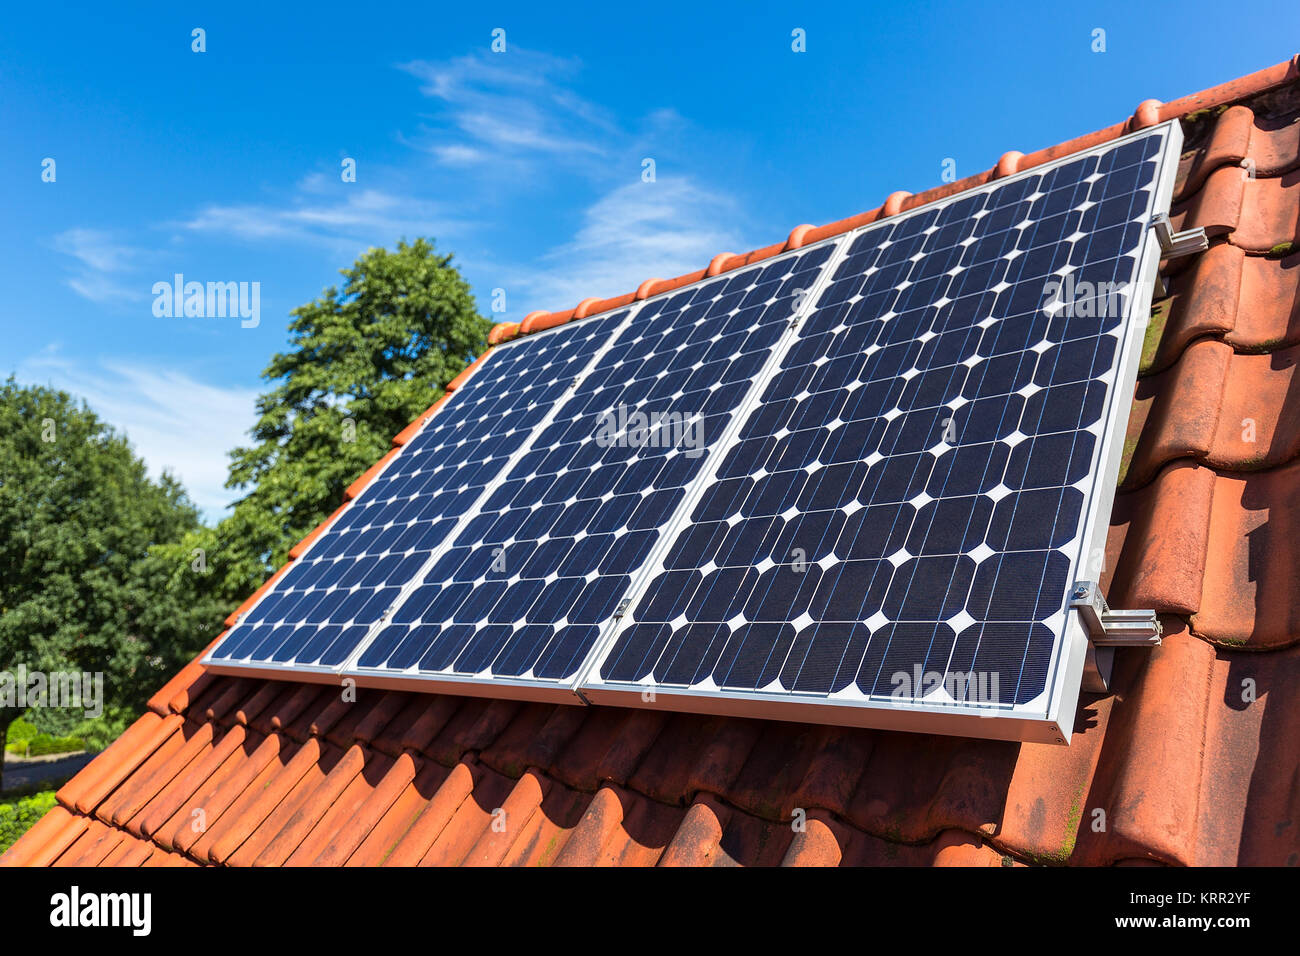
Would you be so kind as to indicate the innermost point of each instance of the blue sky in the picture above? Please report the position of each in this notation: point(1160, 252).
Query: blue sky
point(225, 165)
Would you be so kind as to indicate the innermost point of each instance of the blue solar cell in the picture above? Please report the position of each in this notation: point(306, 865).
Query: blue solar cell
point(525, 589)
point(333, 595)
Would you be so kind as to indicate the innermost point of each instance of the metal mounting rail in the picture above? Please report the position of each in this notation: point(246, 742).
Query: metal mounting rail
point(1108, 629)
point(1174, 245)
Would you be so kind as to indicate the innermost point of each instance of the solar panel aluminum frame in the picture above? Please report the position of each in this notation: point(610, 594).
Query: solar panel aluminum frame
point(566, 692)
point(1052, 722)
point(333, 674)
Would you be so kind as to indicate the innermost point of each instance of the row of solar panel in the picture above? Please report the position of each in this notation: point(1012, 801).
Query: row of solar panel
point(901, 480)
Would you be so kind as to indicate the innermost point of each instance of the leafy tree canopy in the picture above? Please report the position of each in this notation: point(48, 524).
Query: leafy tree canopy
point(86, 581)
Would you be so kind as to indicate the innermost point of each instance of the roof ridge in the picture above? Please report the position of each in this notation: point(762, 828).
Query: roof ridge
point(1148, 113)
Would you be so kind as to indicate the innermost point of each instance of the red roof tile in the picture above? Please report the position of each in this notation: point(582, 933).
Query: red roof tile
point(1185, 762)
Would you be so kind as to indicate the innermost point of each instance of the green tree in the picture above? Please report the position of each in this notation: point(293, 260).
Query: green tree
point(362, 364)
point(87, 583)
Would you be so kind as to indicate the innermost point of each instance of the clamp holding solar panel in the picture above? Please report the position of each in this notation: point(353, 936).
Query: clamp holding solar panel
point(1174, 245)
point(1108, 629)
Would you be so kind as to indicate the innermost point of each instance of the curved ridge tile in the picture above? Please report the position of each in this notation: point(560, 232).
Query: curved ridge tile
point(397, 817)
point(620, 828)
point(1275, 144)
point(48, 838)
point(340, 826)
point(1158, 541)
point(1175, 412)
point(433, 816)
point(1269, 311)
point(1044, 801)
point(1259, 418)
point(1203, 301)
point(1227, 145)
point(470, 820)
point(1250, 791)
point(1252, 561)
point(164, 807)
point(1270, 212)
point(228, 790)
point(1216, 207)
point(510, 822)
point(1154, 748)
point(547, 831)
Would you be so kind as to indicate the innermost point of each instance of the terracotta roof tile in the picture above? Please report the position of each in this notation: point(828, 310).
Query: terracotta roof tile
point(1187, 761)
point(1203, 301)
point(1158, 541)
point(1252, 562)
point(49, 839)
point(477, 810)
point(249, 797)
point(1216, 206)
point(510, 821)
point(189, 745)
point(313, 801)
point(163, 807)
point(1270, 213)
point(393, 823)
point(1269, 310)
point(548, 829)
point(439, 806)
point(369, 797)
point(238, 775)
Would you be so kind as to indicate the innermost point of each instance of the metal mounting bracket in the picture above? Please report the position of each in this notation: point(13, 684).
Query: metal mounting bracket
point(1174, 245)
point(1108, 629)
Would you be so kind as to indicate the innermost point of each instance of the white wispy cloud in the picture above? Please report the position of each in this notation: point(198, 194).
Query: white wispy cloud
point(501, 130)
point(635, 232)
point(101, 258)
point(512, 105)
point(355, 220)
point(498, 114)
point(174, 421)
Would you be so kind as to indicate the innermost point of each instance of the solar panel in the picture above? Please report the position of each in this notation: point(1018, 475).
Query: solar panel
point(331, 598)
point(890, 538)
point(526, 588)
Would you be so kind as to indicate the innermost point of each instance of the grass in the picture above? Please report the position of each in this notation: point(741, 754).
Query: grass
point(1154, 333)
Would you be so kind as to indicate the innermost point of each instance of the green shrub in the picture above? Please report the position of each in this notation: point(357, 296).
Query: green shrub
point(20, 732)
point(18, 816)
point(45, 744)
point(25, 740)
